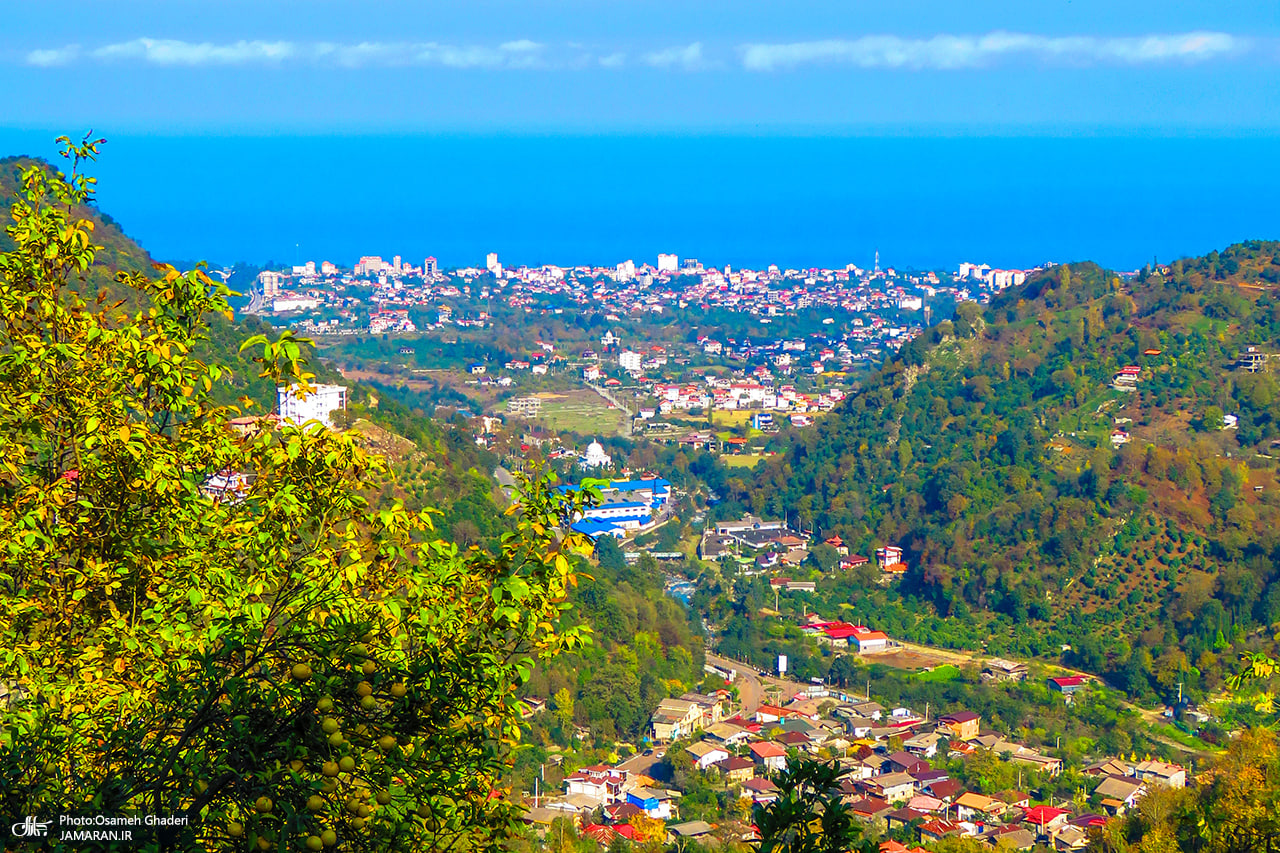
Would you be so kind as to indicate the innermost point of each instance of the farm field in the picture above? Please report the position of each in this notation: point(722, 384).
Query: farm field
point(742, 460)
point(583, 412)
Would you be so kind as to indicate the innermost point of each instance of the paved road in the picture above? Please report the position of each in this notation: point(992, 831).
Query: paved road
point(749, 688)
point(647, 765)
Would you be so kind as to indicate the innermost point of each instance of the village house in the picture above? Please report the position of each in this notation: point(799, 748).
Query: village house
point(769, 755)
point(961, 725)
point(735, 769)
point(706, 754)
point(1160, 773)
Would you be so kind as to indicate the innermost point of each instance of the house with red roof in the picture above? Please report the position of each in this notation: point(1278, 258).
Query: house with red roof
point(770, 755)
point(1068, 684)
point(1045, 818)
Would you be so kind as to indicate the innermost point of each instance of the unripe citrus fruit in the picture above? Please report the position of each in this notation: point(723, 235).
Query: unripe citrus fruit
point(363, 810)
point(314, 842)
point(368, 703)
point(383, 797)
point(369, 667)
point(357, 823)
point(315, 802)
point(347, 763)
point(386, 743)
point(329, 768)
point(235, 829)
point(263, 844)
point(329, 837)
point(364, 688)
point(335, 739)
point(329, 725)
point(300, 672)
point(263, 805)
point(325, 705)
point(398, 690)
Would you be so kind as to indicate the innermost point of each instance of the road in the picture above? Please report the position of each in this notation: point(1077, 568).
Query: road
point(750, 690)
point(625, 429)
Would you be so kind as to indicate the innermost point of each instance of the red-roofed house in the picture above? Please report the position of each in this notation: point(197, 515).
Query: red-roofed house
point(770, 755)
point(1045, 818)
point(1068, 684)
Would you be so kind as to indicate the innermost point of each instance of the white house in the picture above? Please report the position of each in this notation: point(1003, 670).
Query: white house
point(317, 405)
point(706, 754)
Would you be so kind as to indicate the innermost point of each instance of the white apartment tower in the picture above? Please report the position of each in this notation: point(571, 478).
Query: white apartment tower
point(270, 282)
point(318, 405)
point(668, 263)
point(630, 361)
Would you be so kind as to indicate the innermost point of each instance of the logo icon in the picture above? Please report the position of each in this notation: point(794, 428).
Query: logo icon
point(30, 828)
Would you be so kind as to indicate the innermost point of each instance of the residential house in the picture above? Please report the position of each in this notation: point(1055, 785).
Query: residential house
point(894, 787)
point(905, 762)
point(769, 755)
point(760, 791)
point(962, 725)
point(1068, 685)
point(728, 733)
point(1071, 838)
point(1117, 794)
point(936, 830)
point(675, 718)
point(1011, 838)
point(1043, 763)
point(922, 745)
point(971, 806)
point(654, 803)
point(706, 754)
point(870, 808)
point(1168, 775)
point(999, 669)
point(1044, 819)
point(903, 818)
point(699, 829)
point(735, 769)
point(600, 783)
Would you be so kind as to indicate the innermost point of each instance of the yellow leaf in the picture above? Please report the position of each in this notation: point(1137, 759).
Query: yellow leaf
point(119, 665)
point(124, 433)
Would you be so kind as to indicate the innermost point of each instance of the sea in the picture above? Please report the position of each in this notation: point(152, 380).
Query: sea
point(918, 201)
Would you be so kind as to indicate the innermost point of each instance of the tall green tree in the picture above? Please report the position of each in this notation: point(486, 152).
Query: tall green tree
point(223, 628)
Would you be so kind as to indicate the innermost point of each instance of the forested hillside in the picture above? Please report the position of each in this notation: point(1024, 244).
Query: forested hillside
point(1043, 506)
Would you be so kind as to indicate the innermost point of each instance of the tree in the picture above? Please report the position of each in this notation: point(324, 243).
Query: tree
point(223, 628)
point(808, 815)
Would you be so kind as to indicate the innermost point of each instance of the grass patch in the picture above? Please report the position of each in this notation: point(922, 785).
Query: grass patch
point(581, 414)
point(945, 672)
point(743, 460)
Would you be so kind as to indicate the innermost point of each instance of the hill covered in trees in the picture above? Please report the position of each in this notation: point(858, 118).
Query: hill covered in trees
point(1040, 503)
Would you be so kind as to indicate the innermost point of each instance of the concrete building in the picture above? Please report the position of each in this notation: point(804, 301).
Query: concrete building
point(668, 263)
point(318, 405)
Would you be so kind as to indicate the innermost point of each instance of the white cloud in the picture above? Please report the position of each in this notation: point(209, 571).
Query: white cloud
point(613, 60)
point(952, 51)
point(688, 58)
point(55, 56)
point(176, 52)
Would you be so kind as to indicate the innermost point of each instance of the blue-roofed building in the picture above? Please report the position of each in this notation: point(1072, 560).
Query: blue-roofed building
point(629, 505)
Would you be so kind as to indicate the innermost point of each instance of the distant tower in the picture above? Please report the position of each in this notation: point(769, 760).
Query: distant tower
point(928, 316)
point(877, 269)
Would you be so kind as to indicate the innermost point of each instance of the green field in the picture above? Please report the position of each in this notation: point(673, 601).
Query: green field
point(945, 672)
point(584, 413)
point(745, 460)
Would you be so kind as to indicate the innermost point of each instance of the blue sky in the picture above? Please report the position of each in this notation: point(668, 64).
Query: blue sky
point(650, 65)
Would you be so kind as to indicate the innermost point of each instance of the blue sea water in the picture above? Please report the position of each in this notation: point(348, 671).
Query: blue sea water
point(923, 202)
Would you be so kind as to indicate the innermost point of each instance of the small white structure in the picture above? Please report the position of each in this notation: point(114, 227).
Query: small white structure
point(318, 405)
point(596, 457)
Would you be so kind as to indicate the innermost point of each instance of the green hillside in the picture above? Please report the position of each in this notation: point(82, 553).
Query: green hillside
point(986, 451)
